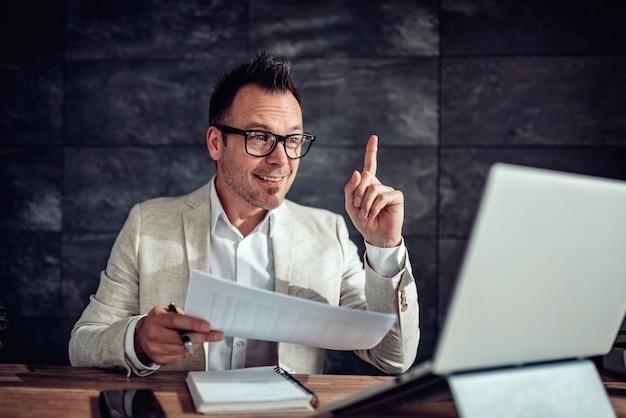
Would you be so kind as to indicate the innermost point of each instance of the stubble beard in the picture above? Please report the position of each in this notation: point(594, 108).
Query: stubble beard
point(237, 182)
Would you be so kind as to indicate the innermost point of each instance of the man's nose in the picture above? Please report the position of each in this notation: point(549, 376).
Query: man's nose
point(278, 154)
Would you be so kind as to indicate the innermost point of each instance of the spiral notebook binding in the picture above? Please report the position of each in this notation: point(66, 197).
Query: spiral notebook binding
point(285, 374)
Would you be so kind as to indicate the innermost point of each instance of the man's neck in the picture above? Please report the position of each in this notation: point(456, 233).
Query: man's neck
point(246, 223)
point(242, 215)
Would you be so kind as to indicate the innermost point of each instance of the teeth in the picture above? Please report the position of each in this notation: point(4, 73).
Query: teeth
point(269, 178)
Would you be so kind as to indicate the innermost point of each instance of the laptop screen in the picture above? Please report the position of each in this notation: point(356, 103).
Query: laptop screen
point(544, 273)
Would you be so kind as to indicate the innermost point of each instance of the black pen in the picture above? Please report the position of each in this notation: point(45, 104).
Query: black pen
point(183, 334)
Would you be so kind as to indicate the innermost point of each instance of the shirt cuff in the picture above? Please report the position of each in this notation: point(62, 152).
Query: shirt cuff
point(387, 262)
point(129, 349)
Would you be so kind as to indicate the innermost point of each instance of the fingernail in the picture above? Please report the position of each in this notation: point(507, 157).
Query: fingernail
point(363, 214)
point(357, 202)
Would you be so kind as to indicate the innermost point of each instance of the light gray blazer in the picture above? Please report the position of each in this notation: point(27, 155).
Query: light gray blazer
point(165, 238)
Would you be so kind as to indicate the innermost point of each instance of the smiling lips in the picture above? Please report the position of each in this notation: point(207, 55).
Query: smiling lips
point(270, 179)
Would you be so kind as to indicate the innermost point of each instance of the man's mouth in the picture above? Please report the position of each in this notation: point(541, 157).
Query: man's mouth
point(270, 179)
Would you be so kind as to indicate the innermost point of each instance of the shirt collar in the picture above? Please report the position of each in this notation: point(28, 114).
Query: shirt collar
point(217, 212)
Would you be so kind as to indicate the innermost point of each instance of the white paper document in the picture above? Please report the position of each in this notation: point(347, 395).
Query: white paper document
point(249, 312)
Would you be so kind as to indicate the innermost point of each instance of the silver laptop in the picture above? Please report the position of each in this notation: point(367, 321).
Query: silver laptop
point(543, 279)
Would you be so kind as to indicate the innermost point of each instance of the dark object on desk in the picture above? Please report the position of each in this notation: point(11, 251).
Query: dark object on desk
point(413, 387)
point(615, 361)
point(130, 403)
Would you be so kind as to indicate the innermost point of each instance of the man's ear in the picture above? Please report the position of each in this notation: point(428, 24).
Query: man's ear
point(214, 142)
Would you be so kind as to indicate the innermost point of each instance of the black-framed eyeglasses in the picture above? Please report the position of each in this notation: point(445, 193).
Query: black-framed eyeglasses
point(260, 143)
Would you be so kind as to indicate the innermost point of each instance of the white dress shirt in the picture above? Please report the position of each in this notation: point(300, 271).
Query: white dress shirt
point(250, 261)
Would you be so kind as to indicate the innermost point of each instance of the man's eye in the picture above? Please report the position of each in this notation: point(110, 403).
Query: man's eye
point(295, 140)
point(258, 137)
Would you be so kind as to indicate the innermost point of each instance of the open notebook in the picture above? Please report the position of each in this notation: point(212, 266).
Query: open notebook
point(543, 279)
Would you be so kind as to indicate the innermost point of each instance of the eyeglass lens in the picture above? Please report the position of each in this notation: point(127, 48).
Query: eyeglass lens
point(260, 143)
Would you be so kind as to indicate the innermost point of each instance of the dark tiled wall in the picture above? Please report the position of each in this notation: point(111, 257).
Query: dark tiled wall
point(104, 104)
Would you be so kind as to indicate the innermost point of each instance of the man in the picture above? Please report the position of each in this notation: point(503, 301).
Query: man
point(240, 226)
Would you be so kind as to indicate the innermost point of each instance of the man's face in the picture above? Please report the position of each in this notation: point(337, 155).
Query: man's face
point(243, 179)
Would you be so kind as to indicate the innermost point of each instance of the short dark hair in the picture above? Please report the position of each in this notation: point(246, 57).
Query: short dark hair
point(266, 72)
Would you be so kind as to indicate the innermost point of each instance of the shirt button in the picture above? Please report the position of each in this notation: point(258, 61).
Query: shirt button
point(240, 344)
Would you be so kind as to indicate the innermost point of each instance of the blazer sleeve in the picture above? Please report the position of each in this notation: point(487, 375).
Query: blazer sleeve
point(397, 295)
point(97, 339)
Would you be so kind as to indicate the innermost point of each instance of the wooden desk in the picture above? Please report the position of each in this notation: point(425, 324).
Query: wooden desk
point(57, 391)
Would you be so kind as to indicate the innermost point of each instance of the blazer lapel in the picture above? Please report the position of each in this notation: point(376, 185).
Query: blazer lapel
point(283, 238)
point(196, 225)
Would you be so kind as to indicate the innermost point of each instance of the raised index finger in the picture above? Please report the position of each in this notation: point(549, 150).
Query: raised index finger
point(371, 151)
